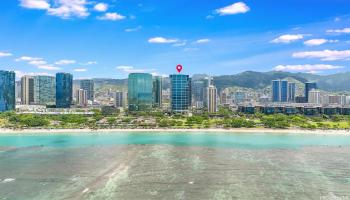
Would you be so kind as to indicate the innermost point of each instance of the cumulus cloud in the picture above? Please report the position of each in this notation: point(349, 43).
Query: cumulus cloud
point(5, 54)
point(80, 70)
point(37, 62)
point(325, 55)
point(61, 8)
point(27, 59)
point(20, 74)
point(49, 67)
point(65, 62)
point(180, 44)
point(90, 63)
point(133, 29)
point(317, 42)
point(35, 4)
point(306, 68)
point(111, 17)
point(129, 69)
point(288, 38)
point(339, 31)
point(162, 40)
point(202, 41)
point(236, 8)
point(101, 7)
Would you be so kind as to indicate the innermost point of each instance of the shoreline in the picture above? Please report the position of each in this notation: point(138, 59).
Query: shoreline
point(215, 130)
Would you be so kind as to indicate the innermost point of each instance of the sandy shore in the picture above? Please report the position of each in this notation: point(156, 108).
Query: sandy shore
point(238, 130)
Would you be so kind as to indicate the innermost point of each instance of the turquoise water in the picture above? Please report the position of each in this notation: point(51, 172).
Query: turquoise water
point(163, 165)
point(226, 140)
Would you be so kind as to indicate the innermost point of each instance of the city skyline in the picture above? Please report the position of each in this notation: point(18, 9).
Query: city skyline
point(109, 39)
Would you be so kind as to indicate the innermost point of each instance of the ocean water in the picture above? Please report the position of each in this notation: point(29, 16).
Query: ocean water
point(174, 166)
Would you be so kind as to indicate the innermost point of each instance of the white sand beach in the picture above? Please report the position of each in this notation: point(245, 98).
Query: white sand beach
point(216, 130)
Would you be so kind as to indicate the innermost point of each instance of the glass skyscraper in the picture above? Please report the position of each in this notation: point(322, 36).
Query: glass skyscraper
point(44, 90)
point(308, 87)
point(7, 91)
point(64, 90)
point(88, 85)
point(157, 91)
point(279, 91)
point(198, 87)
point(180, 92)
point(291, 92)
point(140, 92)
point(27, 90)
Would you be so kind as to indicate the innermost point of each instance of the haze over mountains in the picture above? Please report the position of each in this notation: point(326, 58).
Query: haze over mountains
point(257, 80)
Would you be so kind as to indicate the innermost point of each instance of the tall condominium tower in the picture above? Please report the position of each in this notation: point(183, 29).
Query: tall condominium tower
point(291, 92)
point(88, 85)
point(279, 91)
point(198, 87)
point(64, 90)
point(7, 91)
point(308, 87)
point(157, 91)
point(44, 90)
point(211, 96)
point(140, 91)
point(27, 90)
point(180, 92)
point(120, 99)
point(81, 97)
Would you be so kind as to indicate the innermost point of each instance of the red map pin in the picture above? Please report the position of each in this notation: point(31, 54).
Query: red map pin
point(179, 68)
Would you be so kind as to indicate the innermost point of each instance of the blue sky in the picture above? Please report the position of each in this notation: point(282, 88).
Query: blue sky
point(110, 38)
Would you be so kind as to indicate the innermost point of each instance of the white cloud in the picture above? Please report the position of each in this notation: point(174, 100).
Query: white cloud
point(133, 29)
point(288, 38)
point(180, 44)
point(19, 74)
point(37, 62)
point(90, 63)
point(162, 40)
point(27, 59)
point(317, 42)
point(35, 4)
point(306, 68)
point(69, 8)
point(233, 9)
point(5, 54)
point(129, 69)
point(339, 31)
point(101, 7)
point(202, 41)
point(65, 62)
point(48, 67)
point(111, 17)
point(325, 55)
point(209, 17)
point(80, 70)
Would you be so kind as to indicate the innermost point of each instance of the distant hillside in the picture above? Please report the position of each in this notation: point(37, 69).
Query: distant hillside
point(250, 79)
point(258, 80)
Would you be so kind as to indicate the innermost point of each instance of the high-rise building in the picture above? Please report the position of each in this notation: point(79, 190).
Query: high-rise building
point(64, 90)
point(211, 97)
point(44, 90)
point(140, 91)
point(291, 92)
point(239, 97)
point(157, 91)
point(198, 87)
point(81, 97)
point(308, 87)
point(180, 92)
point(7, 91)
point(88, 85)
point(120, 99)
point(279, 91)
point(315, 97)
point(18, 91)
point(27, 90)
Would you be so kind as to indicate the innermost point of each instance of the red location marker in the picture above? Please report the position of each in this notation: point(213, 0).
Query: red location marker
point(179, 68)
